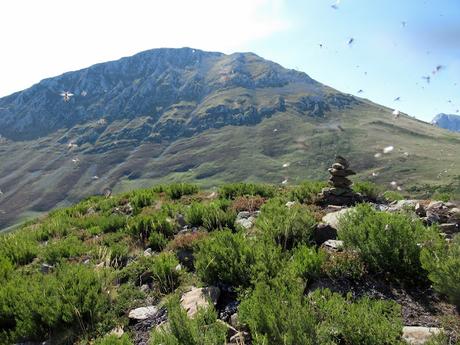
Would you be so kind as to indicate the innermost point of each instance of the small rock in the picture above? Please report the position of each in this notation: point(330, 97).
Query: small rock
point(418, 335)
point(449, 228)
point(245, 223)
point(178, 267)
point(148, 252)
point(198, 298)
point(234, 320)
point(144, 288)
point(90, 211)
point(118, 332)
point(334, 245)
point(46, 268)
point(420, 210)
point(289, 204)
point(180, 219)
point(143, 313)
point(243, 214)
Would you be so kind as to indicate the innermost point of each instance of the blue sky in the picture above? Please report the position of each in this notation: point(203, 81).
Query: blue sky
point(386, 60)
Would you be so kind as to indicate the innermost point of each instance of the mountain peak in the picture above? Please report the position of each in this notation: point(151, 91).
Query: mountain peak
point(450, 122)
point(146, 83)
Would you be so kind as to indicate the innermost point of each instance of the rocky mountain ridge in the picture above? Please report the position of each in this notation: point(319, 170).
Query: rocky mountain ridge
point(169, 115)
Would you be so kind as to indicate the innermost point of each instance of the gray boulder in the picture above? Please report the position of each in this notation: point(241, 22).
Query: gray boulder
point(332, 219)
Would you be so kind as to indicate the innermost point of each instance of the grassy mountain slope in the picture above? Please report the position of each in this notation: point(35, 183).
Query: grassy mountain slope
point(165, 115)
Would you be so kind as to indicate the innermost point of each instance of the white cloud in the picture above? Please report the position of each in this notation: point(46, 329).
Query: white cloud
point(48, 37)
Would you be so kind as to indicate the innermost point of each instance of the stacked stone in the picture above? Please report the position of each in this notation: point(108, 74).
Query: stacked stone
point(340, 192)
point(339, 172)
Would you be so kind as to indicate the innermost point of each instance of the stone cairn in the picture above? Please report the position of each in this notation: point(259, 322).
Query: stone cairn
point(340, 193)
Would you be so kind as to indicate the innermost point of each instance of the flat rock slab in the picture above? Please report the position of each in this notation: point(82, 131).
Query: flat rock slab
point(332, 219)
point(418, 335)
point(143, 313)
point(198, 298)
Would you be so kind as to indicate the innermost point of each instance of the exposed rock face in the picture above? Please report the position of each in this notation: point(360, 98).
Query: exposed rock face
point(340, 193)
point(157, 84)
point(198, 298)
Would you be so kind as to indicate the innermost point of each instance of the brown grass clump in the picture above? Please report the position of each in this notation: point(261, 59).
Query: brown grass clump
point(248, 203)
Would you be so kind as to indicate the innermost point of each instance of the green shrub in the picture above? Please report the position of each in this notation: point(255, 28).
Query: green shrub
point(177, 190)
point(119, 253)
point(112, 339)
point(19, 247)
point(164, 272)
point(109, 223)
point(216, 218)
point(202, 329)
point(56, 226)
point(62, 249)
point(233, 190)
point(277, 313)
point(195, 214)
point(391, 196)
point(141, 226)
point(350, 322)
point(286, 226)
point(442, 261)
point(387, 242)
point(307, 191)
point(216, 215)
point(306, 262)
point(6, 268)
point(367, 189)
point(136, 270)
point(142, 198)
point(345, 264)
point(127, 297)
point(225, 257)
point(439, 196)
point(75, 297)
point(157, 241)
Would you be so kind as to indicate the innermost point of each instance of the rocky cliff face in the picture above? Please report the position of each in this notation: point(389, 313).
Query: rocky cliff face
point(168, 88)
point(447, 121)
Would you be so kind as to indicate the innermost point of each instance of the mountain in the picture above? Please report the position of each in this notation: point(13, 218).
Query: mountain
point(168, 115)
point(447, 121)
